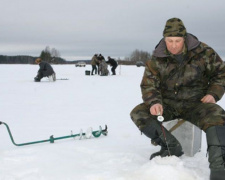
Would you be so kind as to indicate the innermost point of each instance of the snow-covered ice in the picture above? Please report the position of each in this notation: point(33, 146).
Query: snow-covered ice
point(35, 111)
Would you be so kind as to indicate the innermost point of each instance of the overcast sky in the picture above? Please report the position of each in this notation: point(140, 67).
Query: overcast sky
point(80, 28)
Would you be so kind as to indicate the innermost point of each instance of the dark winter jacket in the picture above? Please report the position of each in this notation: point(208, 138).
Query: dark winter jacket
point(112, 62)
point(101, 58)
point(200, 72)
point(45, 68)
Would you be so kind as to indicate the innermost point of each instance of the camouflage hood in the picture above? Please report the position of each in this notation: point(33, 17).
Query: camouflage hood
point(191, 42)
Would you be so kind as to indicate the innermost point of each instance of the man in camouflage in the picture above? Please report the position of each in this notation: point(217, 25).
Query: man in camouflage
point(184, 79)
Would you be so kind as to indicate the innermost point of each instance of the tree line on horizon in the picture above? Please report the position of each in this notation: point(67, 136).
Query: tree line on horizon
point(52, 55)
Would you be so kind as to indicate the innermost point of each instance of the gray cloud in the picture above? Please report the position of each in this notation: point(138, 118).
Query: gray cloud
point(80, 28)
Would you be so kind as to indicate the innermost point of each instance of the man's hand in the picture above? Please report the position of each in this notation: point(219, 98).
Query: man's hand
point(156, 109)
point(208, 99)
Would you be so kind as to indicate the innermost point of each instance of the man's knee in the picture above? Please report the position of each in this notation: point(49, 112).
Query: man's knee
point(210, 115)
point(141, 111)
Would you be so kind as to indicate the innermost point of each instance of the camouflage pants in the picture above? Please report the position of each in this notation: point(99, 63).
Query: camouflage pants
point(203, 115)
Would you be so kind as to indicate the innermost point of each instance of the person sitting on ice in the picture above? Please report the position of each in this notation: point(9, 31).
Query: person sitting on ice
point(184, 79)
point(45, 70)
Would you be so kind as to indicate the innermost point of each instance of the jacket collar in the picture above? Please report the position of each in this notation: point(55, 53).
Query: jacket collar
point(191, 42)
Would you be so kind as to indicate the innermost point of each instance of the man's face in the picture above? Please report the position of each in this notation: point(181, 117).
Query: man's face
point(175, 44)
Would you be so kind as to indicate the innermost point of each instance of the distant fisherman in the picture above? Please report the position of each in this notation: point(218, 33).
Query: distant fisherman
point(113, 64)
point(45, 70)
point(94, 62)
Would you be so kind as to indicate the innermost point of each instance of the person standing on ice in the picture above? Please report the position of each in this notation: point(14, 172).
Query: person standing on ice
point(184, 79)
point(100, 59)
point(113, 64)
point(94, 62)
point(45, 70)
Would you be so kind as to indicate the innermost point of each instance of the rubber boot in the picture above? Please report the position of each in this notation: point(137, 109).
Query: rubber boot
point(169, 146)
point(216, 148)
point(36, 79)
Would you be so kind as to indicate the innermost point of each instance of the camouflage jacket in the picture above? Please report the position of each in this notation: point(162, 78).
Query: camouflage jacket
point(201, 72)
point(94, 60)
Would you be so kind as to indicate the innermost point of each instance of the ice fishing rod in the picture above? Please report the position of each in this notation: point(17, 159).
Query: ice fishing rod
point(63, 79)
point(161, 119)
point(52, 139)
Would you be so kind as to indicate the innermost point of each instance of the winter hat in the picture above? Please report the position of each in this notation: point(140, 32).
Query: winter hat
point(174, 27)
point(38, 60)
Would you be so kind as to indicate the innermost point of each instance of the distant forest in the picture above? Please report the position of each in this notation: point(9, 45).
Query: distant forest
point(57, 60)
point(52, 56)
point(31, 60)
